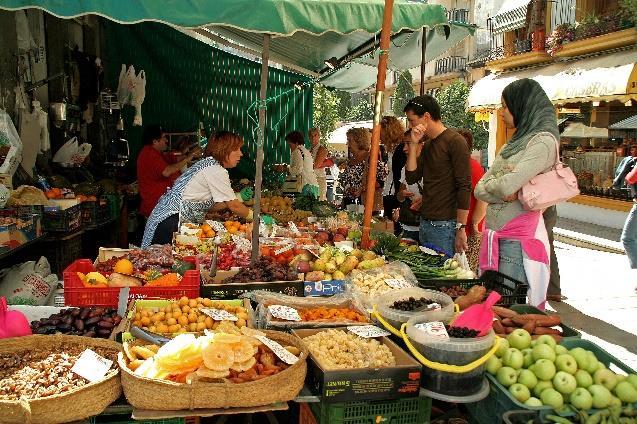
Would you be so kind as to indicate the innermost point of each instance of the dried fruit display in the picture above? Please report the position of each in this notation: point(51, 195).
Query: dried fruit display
point(331, 314)
point(337, 349)
point(87, 322)
point(234, 356)
point(33, 375)
point(186, 315)
point(153, 258)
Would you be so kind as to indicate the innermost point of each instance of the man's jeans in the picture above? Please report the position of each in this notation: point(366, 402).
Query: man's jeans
point(441, 234)
point(629, 237)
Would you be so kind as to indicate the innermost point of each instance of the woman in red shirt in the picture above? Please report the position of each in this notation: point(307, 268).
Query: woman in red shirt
point(477, 208)
point(154, 175)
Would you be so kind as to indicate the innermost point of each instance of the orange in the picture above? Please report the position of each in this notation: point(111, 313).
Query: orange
point(123, 266)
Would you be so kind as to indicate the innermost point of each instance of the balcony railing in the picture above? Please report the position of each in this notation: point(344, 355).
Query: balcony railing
point(507, 50)
point(450, 64)
point(458, 15)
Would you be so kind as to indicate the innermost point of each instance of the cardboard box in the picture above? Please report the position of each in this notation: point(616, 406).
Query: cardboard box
point(383, 225)
point(364, 384)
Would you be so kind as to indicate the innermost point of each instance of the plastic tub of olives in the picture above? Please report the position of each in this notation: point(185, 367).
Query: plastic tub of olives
point(399, 306)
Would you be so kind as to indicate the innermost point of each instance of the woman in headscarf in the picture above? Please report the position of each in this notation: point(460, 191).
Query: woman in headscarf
point(515, 242)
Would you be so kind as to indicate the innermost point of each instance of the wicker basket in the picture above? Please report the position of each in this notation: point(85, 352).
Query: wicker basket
point(77, 404)
point(146, 393)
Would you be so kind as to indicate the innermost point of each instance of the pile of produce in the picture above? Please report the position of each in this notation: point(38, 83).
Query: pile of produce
point(411, 304)
point(39, 374)
point(337, 349)
point(331, 314)
point(157, 258)
point(507, 321)
point(280, 208)
point(87, 322)
point(335, 264)
point(372, 285)
point(232, 357)
point(314, 206)
point(223, 216)
point(265, 270)
point(461, 332)
point(229, 256)
point(541, 372)
point(187, 315)
point(616, 414)
point(150, 278)
point(11, 220)
point(453, 291)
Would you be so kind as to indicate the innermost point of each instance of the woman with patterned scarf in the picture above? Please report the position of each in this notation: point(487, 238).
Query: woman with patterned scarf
point(515, 241)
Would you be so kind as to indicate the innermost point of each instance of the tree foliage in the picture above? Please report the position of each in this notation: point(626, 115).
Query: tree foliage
point(453, 100)
point(362, 111)
point(345, 104)
point(630, 6)
point(404, 93)
point(326, 105)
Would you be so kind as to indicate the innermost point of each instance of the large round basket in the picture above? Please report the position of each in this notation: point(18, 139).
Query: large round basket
point(74, 405)
point(146, 393)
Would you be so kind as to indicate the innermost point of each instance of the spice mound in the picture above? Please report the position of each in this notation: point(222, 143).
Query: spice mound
point(336, 349)
point(33, 375)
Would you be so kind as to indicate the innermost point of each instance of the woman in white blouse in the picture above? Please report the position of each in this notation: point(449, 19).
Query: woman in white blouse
point(301, 163)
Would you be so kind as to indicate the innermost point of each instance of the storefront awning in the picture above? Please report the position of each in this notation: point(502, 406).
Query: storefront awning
point(512, 15)
point(626, 124)
point(579, 130)
point(604, 78)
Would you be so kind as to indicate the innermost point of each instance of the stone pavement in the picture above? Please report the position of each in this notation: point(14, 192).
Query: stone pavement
point(588, 235)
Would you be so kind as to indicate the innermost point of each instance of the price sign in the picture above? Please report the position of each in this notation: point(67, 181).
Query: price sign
point(434, 329)
point(284, 312)
point(217, 226)
point(284, 249)
point(396, 283)
point(278, 350)
point(91, 366)
point(219, 314)
point(368, 331)
point(294, 228)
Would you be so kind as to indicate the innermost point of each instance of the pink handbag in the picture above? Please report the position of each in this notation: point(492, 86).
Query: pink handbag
point(550, 188)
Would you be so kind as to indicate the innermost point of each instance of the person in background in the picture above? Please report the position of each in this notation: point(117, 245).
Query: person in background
point(351, 176)
point(629, 232)
point(204, 186)
point(554, 292)
point(302, 163)
point(477, 208)
point(409, 198)
point(154, 174)
point(632, 153)
point(515, 242)
point(391, 135)
point(443, 166)
point(319, 154)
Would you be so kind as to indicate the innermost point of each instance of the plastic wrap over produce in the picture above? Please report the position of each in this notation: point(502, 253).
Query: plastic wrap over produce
point(367, 285)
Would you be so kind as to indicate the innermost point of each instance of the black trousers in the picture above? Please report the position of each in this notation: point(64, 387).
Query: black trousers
point(165, 229)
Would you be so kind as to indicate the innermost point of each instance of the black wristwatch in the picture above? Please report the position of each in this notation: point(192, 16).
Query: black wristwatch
point(460, 226)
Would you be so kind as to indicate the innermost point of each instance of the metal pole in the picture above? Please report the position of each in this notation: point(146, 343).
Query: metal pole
point(423, 61)
point(385, 34)
point(258, 177)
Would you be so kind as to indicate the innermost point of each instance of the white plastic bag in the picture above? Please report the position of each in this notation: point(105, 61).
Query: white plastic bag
point(138, 95)
point(122, 87)
point(83, 150)
point(30, 283)
point(66, 152)
point(9, 136)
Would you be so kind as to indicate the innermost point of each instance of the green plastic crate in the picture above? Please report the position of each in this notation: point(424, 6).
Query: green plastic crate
point(500, 400)
point(400, 411)
point(567, 332)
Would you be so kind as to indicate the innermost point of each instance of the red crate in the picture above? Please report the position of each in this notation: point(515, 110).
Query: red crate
point(75, 294)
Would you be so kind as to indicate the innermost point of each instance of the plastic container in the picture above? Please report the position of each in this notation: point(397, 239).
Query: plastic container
point(400, 411)
point(75, 294)
point(395, 317)
point(513, 292)
point(63, 220)
point(500, 400)
point(567, 332)
point(436, 356)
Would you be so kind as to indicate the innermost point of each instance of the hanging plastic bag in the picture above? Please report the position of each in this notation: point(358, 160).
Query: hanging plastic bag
point(122, 87)
point(25, 284)
point(83, 151)
point(66, 152)
point(139, 94)
point(9, 138)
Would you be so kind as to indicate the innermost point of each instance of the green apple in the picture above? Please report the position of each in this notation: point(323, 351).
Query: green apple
point(632, 379)
point(560, 350)
point(620, 377)
point(528, 357)
point(552, 398)
point(506, 376)
point(606, 378)
point(544, 369)
point(527, 378)
point(593, 363)
point(541, 386)
point(564, 383)
point(583, 379)
point(581, 399)
point(502, 347)
point(520, 392)
point(519, 339)
point(513, 358)
point(493, 365)
point(543, 351)
point(533, 401)
point(546, 339)
point(531, 368)
point(533, 343)
point(615, 402)
point(581, 357)
point(601, 396)
point(625, 392)
point(566, 363)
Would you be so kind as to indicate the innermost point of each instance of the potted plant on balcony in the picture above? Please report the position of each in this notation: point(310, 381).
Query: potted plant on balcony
point(562, 34)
